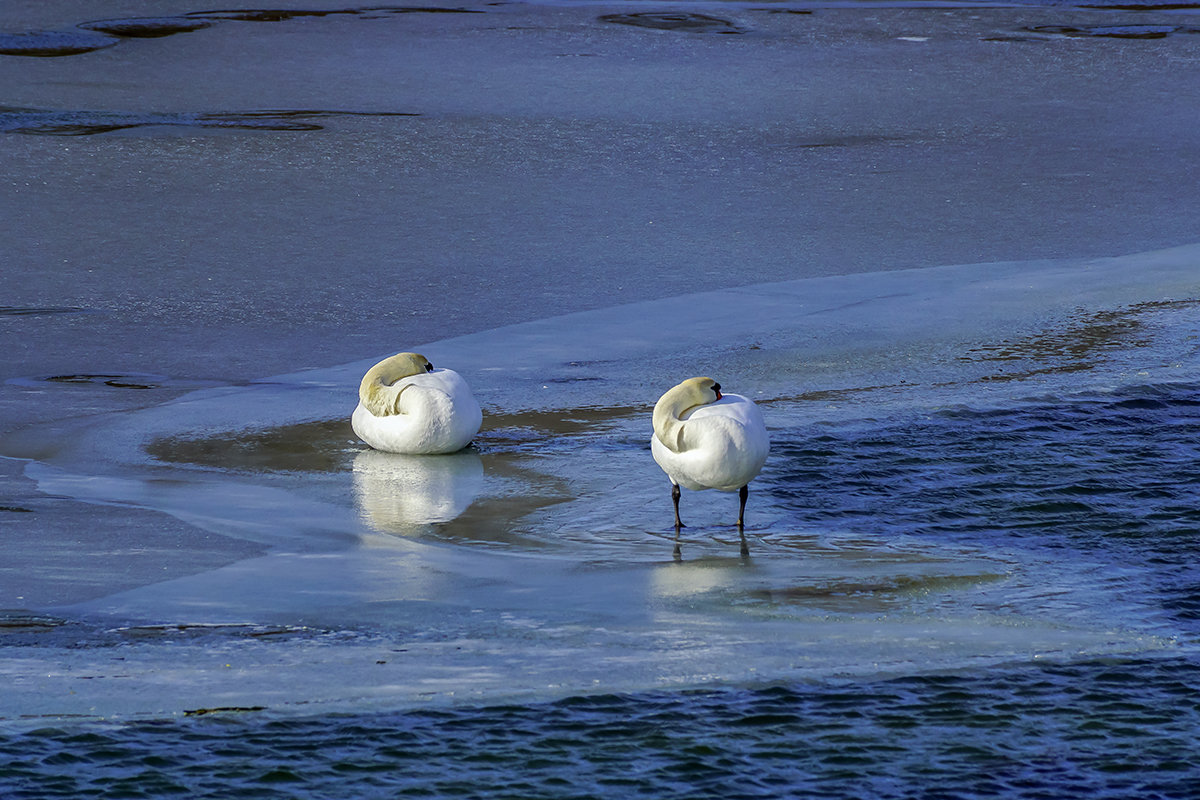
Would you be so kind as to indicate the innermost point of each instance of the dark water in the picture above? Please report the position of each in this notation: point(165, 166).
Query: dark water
point(1112, 475)
point(1104, 730)
point(1115, 476)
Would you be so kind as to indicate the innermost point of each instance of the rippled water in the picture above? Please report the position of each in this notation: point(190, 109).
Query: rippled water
point(1105, 729)
point(1111, 729)
point(1109, 476)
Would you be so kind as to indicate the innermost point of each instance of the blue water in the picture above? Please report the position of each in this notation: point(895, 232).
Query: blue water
point(1114, 476)
point(1107, 478)
point(1113, 729)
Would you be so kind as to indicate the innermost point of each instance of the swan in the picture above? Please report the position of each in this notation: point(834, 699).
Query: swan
point(407, 406)
point(704, 439)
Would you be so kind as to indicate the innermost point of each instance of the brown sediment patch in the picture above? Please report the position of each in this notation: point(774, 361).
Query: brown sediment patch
point(523, 430)
point(145, 27)
point(562, 421)
point(327, 446)
point(1078, 346)
point(330, 445)
point(864, 595)
point(673, 21)
point(49, 44)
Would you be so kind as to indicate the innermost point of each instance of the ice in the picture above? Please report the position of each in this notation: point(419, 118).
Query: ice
point(537, 556)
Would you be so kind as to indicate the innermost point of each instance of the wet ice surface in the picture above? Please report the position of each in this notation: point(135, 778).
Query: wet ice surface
point(904, 523)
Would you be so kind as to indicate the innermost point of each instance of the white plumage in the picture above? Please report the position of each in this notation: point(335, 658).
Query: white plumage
point(407, 406)
point(704, 439)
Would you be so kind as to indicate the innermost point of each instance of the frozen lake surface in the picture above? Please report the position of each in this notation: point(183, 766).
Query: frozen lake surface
point(947, 249)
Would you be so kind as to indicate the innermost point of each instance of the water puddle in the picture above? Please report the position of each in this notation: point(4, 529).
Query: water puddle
point(682, 21)
point(111, 380)
point(1112, 31)
point(94, 35)
point(146, 27)
point(284, 14)
point(43, 311)
point(51, 44)
point(45, 122)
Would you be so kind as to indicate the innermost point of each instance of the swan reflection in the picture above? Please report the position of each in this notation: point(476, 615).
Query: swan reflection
point(693, 578)
point(399, 493)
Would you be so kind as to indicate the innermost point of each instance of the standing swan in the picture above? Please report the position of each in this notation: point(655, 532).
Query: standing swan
point(407, 406)
point(707, 440)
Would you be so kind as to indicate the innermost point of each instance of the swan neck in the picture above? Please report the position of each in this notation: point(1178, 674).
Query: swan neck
point(377, 391)
point(667, 418)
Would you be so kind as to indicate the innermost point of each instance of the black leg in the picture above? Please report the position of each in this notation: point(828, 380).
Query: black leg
point(743, 493)
point(675, 499)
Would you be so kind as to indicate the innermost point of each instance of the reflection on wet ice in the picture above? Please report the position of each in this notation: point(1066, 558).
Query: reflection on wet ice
point(399, 493)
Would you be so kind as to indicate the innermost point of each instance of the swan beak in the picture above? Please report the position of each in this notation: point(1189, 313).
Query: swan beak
point(717, 389)
point(428, 367)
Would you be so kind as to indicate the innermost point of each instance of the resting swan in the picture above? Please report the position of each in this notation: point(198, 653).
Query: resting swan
point(707, 440)
point(407, 406)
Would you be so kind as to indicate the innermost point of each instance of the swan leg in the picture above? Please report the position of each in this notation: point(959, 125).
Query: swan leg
point(743, 493)
point(675, 499)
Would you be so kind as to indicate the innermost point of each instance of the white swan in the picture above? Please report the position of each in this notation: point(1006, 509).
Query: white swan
point(407, 406)
point(707, 440)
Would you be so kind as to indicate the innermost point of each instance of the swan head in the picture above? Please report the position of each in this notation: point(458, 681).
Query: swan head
point(372, 392)
point(677, 402)
point(694, 392)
